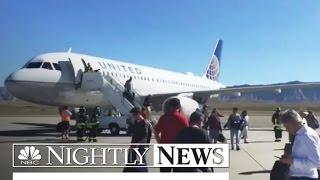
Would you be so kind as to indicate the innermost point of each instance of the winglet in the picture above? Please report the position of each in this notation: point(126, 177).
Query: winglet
point(69, 50)
point(218, 50)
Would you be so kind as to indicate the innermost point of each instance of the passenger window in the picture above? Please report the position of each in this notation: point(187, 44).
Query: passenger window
point(56, 66)
point(34, 65)
point(47, 65)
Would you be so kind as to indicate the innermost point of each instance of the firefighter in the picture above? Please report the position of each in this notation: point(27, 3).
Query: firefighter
point(93, 124)
point(88, 68)
point(81, 119)
point(277, 125)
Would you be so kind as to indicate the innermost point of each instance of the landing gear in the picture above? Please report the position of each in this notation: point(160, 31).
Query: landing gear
point(114, 129)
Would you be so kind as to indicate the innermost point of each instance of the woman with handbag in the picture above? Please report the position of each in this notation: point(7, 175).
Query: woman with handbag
point(214, 125)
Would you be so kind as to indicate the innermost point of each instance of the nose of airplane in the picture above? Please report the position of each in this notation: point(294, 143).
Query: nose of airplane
point(16, 76)
point(14, 83)
point(10, 83)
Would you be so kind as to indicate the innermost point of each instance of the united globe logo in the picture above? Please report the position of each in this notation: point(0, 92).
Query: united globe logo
point(214, 69)
point(29, 155)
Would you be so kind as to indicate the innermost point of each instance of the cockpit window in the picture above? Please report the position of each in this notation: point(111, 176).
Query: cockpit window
point(47, 65)
point(57, 66)
point(34, 65)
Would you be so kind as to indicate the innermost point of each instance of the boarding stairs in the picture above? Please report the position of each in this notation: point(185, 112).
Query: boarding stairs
point(111, 89)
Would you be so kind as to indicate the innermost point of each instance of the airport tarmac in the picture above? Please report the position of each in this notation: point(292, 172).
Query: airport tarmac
point(253, 162)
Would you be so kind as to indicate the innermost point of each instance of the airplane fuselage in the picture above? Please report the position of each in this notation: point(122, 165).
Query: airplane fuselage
point(52, 78)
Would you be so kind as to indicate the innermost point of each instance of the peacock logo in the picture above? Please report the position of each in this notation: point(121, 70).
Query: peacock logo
point(29, 155)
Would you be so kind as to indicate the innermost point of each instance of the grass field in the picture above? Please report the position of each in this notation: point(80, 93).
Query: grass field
point(254, 108)
point(24, 108)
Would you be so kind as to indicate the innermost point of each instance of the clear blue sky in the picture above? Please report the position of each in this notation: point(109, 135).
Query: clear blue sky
point(264, 41)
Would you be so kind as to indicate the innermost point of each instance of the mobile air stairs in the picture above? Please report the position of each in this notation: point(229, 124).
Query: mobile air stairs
point(112, 91)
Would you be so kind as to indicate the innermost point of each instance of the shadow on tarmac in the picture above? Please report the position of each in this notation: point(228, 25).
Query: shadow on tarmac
point(253, 142)
point(45, 130)
point(255, 172)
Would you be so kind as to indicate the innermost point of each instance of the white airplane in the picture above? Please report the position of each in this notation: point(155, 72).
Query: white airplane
point(52, 79)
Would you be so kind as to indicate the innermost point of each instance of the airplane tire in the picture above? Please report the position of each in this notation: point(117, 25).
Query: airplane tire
point(114, 129)
point(100, 130)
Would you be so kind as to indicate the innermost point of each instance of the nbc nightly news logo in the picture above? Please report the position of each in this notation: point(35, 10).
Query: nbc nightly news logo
point(118, 155)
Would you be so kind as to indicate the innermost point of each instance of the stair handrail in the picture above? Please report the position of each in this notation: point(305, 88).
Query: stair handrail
point(118, 86)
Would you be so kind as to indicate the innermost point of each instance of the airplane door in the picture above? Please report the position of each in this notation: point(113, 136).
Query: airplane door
point(77, 67)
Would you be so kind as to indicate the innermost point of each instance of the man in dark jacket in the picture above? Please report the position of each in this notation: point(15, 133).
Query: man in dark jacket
point(141, 134)
point(128, 93)
point(194, 134)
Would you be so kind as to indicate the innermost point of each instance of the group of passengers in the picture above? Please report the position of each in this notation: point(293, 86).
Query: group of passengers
point(299, 163)
point(237, 123)
point(172, 127)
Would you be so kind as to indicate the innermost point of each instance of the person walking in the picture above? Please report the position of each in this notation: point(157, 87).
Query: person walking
point(93, 124)
point(244, 126)
point(214, 125)
point(194, 134)
point(312, 121)
point(128, 94)
point(65, 122)
point(145, 113)
point(141, 134)
point(234, 123)
point(277, 125)
point(81, 120)
point(147, 103)
point(170, 124)
point(305, 157)
point(205, 112)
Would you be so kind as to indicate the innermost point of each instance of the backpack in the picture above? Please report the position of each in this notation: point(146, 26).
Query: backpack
point(59, 127)
point(312, 122)
point(235, 121)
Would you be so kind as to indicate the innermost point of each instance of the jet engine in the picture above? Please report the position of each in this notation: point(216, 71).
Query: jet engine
point(188, 105)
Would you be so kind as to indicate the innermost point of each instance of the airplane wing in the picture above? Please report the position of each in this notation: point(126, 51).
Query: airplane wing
point(274, 87)
point(203, 96)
